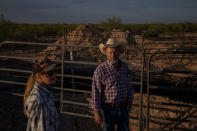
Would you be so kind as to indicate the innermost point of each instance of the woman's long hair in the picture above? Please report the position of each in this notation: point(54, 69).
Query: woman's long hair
point(30, 83)
point(29, 87)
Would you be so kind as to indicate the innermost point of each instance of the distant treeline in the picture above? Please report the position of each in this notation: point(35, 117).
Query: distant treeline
point(29, 32)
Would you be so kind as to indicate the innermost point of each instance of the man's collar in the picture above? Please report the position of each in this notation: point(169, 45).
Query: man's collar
point(108, 62)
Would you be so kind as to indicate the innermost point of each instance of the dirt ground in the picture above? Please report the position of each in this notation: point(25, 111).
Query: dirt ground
point(168, 112)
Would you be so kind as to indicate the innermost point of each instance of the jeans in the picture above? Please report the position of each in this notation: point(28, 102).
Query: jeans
point(115, 116)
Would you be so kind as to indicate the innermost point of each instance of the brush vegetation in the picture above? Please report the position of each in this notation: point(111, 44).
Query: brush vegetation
point(29, 32)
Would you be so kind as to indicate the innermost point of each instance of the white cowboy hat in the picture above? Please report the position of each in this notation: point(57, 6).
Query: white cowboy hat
point(111, 42)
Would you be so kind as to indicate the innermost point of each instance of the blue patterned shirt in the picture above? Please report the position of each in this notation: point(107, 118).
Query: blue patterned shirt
point(41, 110)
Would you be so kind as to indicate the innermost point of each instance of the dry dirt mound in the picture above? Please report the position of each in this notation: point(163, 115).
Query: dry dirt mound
point(86, 35)
point(89, 35)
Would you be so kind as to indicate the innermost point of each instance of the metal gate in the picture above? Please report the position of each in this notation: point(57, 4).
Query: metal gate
point(73, 97)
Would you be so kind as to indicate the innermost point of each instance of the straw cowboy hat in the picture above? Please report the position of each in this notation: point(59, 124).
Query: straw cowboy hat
point(111, 42)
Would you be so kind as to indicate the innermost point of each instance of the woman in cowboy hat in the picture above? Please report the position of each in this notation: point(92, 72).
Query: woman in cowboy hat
point(39, 103)
point(112, 92)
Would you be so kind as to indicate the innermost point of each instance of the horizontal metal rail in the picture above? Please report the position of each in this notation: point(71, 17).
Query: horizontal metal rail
point(171, 88)
point(80, 62)
point(67, 62)
point(16, 57)
point(171, 119)
point(76, 103)
point(171, 104)
point(29, 43)
point(73, 90)
point(12, 82)
point(146, 37)
point(58, 88)
point(30, 59)
point(169, 38)
point(78, 77)
point(134, 83)
point(46, 44)
point(79, 46)
point(12, 93)
point(183, 40)
point(25, 71)
point(15, 70)
point(171, 42)
point(153, 71)
point(77, 114)
point(69, 76)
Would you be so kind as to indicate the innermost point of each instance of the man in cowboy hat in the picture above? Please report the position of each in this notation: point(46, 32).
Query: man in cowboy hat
point(112, 93)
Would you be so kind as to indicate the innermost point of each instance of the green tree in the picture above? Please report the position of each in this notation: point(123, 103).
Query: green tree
point(112, 23)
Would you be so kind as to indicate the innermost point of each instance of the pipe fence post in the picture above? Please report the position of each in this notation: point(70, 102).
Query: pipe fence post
point(62, 71)
point(142, 84)
point(72, 70)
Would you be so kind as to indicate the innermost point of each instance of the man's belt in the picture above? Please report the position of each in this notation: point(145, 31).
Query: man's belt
point(115, 105)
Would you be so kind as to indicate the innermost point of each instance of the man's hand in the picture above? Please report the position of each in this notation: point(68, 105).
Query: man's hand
point(97, 118)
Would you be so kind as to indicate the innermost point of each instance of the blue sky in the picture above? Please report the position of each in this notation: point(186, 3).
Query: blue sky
point(96, 11)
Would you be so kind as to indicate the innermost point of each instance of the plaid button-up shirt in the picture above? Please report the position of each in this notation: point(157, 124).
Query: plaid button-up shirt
point(41, 110)
point(110, 85)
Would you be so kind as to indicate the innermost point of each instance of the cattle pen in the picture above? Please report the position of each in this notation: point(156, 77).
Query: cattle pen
point(163, 70)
